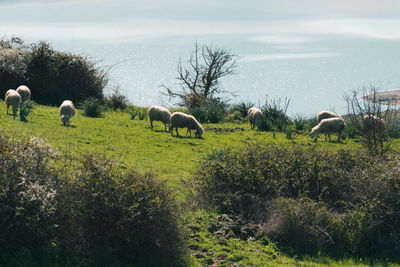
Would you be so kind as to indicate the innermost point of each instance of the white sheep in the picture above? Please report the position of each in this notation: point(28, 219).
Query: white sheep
point(182, 120)
point(13, 99)
point(24, 92)
point(67, 110)
point(255, 117)
point(162, 114)
point(326, 115)
point(328, 126)
point(373, 123)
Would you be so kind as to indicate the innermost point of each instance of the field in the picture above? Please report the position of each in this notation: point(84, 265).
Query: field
point(135, 145)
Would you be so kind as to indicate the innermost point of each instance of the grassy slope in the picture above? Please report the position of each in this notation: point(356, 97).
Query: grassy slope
point(133, 142)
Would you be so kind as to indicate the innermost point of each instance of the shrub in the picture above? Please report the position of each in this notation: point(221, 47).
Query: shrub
point(52, 76)
point(340, 202)
point(289, 132)
point(117, 100)
point(113, 217)
point(92, 107)
point(133, 113)
point(142, 113)
point(235, 117)
point(96, 214)
point(25, 109)
point(300, 122)
point(306, 226)
point(274, 115)
point(27, 199)
point(242, 107)
point(350, 130)
point(212, 112)
point(268, 172)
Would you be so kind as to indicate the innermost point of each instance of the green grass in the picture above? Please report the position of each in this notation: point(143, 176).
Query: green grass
point(134, 144)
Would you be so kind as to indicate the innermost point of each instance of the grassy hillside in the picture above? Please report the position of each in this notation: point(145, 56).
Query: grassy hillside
point(133, 143)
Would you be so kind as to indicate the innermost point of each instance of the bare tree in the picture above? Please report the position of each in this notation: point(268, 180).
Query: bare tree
point(372, 119)
point(200, 80)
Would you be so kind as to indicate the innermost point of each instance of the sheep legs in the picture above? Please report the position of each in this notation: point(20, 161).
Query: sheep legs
point(172, 131)
point(189, 131)
point(151, 124)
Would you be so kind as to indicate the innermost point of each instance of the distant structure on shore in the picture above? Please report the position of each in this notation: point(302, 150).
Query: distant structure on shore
point(389, 97)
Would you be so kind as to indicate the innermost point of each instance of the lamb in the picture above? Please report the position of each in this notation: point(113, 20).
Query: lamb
point(182, 120)
point(255, 117)
point(13, 99)
point(24, 92)
point(162, 114)
point(373, 123)
point(329, 126)
point(67, 110)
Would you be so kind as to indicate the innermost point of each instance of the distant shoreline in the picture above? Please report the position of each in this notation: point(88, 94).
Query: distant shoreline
point(389, 97)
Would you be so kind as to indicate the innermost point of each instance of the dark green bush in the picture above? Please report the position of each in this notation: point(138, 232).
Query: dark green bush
point(300, 122)
point(25, 109)
point(92, 107)
point(117, 100)
point(274, 115)
point(96, 214)
point(306, 225)
point(242, 107)
point(52, 76)
point(393, 129)
point(350, 130)
point(212, 112)
point(272, 171)
point(113, 217)
point(27, 199)
point(235, 117)
point(352, 206)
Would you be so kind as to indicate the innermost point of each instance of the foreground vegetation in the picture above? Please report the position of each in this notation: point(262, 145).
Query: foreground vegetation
point(132, 144)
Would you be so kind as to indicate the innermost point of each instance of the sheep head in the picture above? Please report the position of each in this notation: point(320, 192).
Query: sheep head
point(314, 133)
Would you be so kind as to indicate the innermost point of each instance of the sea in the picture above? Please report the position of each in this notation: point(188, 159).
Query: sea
point(310, 55)
point(313, 76)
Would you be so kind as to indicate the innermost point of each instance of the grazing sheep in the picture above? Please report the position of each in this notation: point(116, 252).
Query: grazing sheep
point(162, 114)
point(326, 115)
point(373, 123)
point(67, 110)
point(328, 126)
point(255, 117)
point(24, 92)
point(13, 99)
point(182, 120)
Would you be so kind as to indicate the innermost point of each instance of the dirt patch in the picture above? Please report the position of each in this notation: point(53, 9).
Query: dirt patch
point(224, 130)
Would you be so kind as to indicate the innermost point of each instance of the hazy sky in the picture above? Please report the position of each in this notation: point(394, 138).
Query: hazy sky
point(127, 20)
